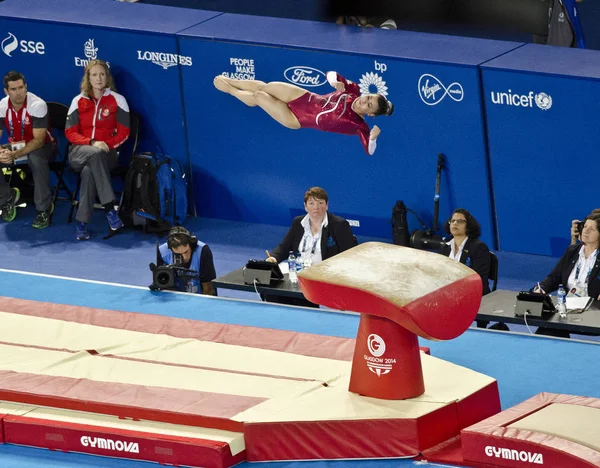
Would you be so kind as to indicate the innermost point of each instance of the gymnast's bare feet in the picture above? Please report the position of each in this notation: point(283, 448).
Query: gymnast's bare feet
point(221, 84)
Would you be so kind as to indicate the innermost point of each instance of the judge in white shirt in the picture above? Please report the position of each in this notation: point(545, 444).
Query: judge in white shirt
point(579, 266)
point(465, 246)
point(317, 235)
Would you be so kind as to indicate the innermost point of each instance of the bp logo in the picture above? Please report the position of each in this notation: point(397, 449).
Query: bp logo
point(372, 83)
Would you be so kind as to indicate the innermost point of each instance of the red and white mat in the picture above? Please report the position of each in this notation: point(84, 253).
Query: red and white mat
point(204, 394)
point(551, 430)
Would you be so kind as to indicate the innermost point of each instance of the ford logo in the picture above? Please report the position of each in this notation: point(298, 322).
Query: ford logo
point(305, 76)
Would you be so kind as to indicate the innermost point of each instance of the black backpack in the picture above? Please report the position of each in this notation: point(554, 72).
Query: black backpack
point(400, 232)
point(155, 196)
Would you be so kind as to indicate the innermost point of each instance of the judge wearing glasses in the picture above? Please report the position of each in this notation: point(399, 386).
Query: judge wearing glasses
point(465, 246)
point(316, 236)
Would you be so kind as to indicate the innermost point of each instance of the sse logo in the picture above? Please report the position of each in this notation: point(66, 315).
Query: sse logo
point(11, 43)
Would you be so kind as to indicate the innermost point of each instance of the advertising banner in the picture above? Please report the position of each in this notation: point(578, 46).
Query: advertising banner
point(543, 137)
point(248, 166)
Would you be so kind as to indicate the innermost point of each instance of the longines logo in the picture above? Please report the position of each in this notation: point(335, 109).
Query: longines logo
point(164, 60)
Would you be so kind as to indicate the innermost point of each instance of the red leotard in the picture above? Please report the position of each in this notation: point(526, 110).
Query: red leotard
point(332, 112)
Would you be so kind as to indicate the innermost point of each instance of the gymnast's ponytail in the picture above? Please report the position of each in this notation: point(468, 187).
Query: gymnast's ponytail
point(385, 106)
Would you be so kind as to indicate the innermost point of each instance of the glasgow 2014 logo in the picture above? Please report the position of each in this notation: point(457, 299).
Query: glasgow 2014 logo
point(376, 363)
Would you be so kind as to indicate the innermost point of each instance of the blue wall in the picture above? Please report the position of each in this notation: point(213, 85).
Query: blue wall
point(543, 158)
point(517, 168)
point(247, 166)
point(64, 27)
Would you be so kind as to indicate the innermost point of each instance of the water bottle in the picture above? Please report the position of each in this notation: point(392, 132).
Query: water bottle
point(292, 268)
point(561, 301)
point(299, 264)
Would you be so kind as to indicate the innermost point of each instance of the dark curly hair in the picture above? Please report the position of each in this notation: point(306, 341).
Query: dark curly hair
point(473, 227)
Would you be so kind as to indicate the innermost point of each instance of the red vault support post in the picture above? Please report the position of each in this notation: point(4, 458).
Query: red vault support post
point(401, 293)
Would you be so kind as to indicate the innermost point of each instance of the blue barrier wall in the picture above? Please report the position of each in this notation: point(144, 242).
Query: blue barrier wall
point(248, 167)
point(60, 36)
point(544, 136)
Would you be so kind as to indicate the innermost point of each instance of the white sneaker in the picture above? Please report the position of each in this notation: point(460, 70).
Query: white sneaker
point(388, 24)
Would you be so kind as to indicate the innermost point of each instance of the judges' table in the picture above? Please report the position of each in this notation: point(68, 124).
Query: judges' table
point(235, 281)
point(432, 80)
point(499, 306)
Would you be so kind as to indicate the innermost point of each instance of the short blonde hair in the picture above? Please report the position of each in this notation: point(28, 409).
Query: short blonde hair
point(86, 87)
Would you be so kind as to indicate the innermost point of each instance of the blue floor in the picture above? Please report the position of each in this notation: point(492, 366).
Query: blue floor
point(537, 364)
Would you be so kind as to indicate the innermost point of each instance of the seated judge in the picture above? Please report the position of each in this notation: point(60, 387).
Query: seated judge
point(576, 227)
point(577, 270)
point(316, 236)
point(466, 248)
point(579, 266)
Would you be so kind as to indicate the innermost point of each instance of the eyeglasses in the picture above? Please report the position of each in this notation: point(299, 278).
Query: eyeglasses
point(457, 221)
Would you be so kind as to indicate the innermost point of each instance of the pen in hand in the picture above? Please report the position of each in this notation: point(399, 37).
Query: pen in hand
point(269, 258)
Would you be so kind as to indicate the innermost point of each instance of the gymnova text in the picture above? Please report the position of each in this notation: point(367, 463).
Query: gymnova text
point(512, 454)
point(109, 444)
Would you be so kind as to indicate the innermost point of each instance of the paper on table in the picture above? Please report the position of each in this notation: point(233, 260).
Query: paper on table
point(579, 304)
point(284, 267)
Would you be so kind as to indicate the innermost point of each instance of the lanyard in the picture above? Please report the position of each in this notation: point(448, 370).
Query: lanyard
point(578, 270)
point(11, 127)
point(314, 247)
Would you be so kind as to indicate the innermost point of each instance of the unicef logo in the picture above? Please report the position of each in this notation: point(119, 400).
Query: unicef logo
point(543, 101)
point(432, 91)
point(305, 76)
point(376, 345)
point(10, 44)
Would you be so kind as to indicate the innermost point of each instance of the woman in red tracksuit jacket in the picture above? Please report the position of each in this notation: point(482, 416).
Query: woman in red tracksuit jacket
point(97, 124)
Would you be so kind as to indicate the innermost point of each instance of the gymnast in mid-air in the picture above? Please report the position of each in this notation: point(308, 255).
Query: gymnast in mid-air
point(342, 111)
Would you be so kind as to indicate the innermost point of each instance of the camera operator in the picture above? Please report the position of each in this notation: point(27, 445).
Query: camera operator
point(185, 252)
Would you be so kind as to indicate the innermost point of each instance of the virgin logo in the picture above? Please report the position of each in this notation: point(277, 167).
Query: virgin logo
point(432, 91)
